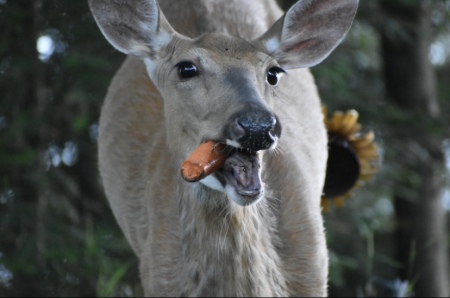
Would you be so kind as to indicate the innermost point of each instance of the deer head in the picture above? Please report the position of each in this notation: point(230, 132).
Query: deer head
point(220, 87)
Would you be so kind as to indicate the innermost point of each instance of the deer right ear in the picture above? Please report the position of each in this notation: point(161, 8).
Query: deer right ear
point(135, 27)
point(309, 31)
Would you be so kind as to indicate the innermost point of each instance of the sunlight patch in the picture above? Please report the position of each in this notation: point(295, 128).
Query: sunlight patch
point(45, 46)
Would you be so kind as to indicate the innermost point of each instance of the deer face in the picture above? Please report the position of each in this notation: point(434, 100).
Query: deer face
point(221, 88)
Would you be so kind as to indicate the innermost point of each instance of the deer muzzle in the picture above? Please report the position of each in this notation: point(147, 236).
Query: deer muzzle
point(255, 130)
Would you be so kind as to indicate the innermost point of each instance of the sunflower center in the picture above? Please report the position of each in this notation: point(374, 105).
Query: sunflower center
point(343, 167)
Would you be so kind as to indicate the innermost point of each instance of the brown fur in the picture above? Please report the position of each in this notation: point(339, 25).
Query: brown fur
point(190, 239)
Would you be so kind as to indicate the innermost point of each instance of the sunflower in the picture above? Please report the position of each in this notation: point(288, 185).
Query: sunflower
point(352, 157)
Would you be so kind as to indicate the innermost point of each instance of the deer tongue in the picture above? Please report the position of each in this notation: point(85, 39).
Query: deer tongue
point(241, 169)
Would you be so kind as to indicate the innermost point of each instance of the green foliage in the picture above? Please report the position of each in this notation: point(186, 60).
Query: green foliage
point(25, 158)
point(338, 265)
point(58, 236)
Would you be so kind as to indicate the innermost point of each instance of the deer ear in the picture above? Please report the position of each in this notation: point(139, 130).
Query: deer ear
point(135, 27)
point(309, 31)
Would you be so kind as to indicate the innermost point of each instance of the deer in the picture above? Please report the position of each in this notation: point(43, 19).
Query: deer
point(236, 72)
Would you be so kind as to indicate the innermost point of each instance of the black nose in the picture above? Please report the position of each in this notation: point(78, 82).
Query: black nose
point(256, 130)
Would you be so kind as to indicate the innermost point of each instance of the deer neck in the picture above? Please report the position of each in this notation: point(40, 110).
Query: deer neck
point(227, 249)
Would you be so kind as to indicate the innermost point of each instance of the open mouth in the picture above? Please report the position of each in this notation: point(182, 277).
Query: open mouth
point(234, 171)
point(241, 176)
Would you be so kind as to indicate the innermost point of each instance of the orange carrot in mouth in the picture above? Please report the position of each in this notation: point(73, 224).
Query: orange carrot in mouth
point(207, 158)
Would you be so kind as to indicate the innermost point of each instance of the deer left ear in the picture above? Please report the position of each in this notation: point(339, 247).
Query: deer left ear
point(136, 27)
point(309, 31)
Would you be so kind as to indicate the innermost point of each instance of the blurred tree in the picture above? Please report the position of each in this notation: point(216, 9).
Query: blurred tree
point(415, 139)
point(58, 236)
point(411, 135)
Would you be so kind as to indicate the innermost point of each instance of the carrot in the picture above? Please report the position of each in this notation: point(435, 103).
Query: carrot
point(207, 158)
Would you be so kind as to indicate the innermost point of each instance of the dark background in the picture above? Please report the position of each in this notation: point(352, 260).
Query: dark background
point(58, 236)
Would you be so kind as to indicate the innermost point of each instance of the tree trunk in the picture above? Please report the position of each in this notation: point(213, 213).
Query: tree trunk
point(411, 92)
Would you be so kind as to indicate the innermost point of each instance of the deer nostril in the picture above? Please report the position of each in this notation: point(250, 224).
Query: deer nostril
point(236, 130)
point(272, 132)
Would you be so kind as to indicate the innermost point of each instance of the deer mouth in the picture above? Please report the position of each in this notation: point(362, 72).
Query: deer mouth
point(241, 176)
point(234, 171)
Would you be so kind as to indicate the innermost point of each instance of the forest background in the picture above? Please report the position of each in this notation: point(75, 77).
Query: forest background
point(57, 234)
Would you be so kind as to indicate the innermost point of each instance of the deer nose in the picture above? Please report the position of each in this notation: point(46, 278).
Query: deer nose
point(255, 131)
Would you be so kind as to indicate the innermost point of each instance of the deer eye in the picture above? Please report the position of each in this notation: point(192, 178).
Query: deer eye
point(273, 75)
point(186, 70)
